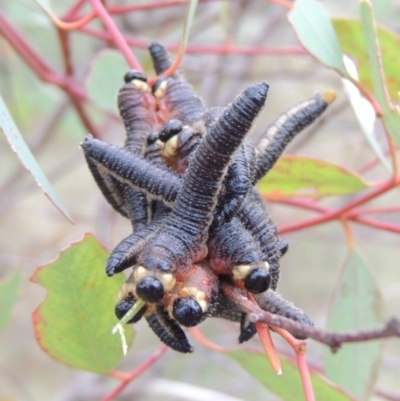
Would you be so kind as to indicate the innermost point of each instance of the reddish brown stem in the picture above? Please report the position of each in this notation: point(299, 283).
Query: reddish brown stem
point(73, 10)
point(116, 35)
point(134, 374)
point(334, 214)
point(37, 64)
point(353, 215)
point(283, 3)
point(333, 340)
point(151, 6)
point(388, 396)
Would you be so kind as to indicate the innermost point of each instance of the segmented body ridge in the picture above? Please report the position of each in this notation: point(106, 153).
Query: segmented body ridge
point(282, 130)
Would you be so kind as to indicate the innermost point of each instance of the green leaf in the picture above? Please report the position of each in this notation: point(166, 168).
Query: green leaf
point(105, 79)
point(73, 324)
point(351, 38)
point(18, 145)
point(9, 289)
point(303, 176)
point(357, 306)
point(188, 23)
point(315, 32)
point(365, 113)
point(391, 116)
point(288, 386)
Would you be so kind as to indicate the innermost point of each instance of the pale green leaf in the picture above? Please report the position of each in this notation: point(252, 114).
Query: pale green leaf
point(316, 33)
point(365, 113)
point(9, 292)
point(188, 23)
point(288, 386)
point(18, 145)
point(357, 306)
point(391, 115)
point(105, 79)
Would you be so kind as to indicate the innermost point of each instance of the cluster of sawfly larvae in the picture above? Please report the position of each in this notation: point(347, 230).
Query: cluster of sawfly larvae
point(186, 180)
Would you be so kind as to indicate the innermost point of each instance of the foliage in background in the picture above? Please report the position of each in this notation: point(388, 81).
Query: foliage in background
point(73, 324)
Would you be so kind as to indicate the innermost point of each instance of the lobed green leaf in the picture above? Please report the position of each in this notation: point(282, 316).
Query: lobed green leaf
point(74, 322)
point(303, 176)
point(357, 305)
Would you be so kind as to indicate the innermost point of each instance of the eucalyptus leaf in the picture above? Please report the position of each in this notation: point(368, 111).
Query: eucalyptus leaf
point(303, 176)
point(19, 146)
point(73, 324)
point(315, 32)
point(357, 305)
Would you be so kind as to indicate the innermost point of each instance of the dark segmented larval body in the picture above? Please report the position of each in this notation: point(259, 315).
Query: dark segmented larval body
point(178, 99)
point(282, 130)
point(181, 240)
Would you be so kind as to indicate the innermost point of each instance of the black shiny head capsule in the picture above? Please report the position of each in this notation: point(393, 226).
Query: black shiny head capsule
point(187, 312)
point(135, 74)
point(152, 138)
point(123, 306)
point(247, 329)
point(150, 290)
point(257, 281)
point(283, 246)
point(170, 129)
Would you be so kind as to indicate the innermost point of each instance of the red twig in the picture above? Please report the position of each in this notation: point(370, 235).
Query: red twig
point(283, 3)
point(116, 35)
point(151, 6)
point(375, 210)
point(73, 10)
point(340, 212)
point(74, 25)
point(300, 348)
point(382, 225)
point(127, 378)
point(387, 395)
point(37, 64)
point(353, 215)
point(206, 342)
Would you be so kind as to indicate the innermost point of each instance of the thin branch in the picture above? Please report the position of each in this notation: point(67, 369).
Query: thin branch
point(334, 214)
point(283, 3)
point(194, 331)
point(37, 64)
point(353, 215)
point(387, 395)
point(300, 348)
point(349, 233)
point(71, 13)
point(134, 374)
point(374, 210)
point(382, 225)
point(116, 35)
point(333, 340)
point(151, 6)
